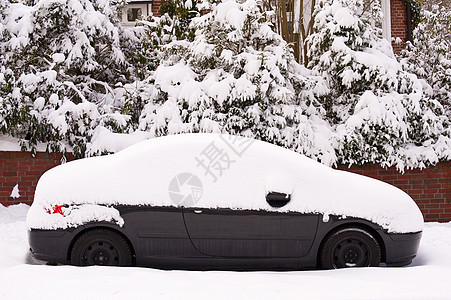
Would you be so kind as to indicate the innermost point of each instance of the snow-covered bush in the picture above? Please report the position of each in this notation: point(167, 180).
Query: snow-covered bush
point(70, 72)
point(236, 76)
point(173, 24)
point(60, 64)
point(429, 54)
point(157, 32)
point(178, 15)
point(378, 109)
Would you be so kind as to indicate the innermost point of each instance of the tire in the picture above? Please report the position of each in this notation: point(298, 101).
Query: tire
point(102, 247)
point(350, 247)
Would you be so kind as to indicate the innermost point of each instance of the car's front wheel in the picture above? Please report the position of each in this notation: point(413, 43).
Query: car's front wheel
point(102, 247)
point(350, 247)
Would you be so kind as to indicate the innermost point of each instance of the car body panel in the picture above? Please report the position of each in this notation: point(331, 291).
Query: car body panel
point(156, 232)
point(247, 233)
point(157, 244)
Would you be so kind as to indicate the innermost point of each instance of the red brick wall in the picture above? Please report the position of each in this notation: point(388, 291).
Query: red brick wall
point(398, 24)
point(430, 188)
point(23, 169)
point(156, 7)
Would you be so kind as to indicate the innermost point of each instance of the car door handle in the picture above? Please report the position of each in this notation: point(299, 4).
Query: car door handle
point(197, 211)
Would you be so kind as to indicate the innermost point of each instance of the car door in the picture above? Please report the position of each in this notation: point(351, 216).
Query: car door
point(250, 233)
point(156, 233)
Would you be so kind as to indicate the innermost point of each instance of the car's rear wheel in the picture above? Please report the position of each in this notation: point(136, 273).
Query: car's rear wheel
point(102, 247)
point(350, 247)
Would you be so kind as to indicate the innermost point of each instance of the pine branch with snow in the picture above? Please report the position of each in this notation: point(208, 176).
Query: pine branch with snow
point(236, 76)
point(429, 54)
point(378, 109)
point(63, 65)
point(70, 73)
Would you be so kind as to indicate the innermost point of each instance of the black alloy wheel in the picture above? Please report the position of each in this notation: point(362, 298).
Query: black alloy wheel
point(350, 247)
point(101, 247)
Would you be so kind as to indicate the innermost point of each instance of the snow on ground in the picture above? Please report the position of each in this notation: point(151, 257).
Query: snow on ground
point(427, 278)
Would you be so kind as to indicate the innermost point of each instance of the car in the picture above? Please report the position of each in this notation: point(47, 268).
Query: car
point(206, 201)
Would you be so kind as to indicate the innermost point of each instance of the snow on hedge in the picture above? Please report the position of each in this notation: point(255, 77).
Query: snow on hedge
point(72, 78)
point(247, 84)
point(379, 113)
point(355, 106)
point(213, 171)
point(61, 65)
point(429, 54)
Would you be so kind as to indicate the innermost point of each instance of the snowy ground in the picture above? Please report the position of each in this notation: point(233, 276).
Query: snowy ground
point(427, 278)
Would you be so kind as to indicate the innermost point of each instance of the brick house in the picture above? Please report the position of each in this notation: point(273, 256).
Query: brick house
point(400, 26)
point(135, 9)
point(430, 188)
point(396, 26)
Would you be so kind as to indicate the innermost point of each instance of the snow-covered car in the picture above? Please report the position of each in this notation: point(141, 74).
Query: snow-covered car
point(210, 201)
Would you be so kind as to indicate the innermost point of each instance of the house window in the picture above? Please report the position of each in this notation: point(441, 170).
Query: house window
point(135, 11)
point(134, 14)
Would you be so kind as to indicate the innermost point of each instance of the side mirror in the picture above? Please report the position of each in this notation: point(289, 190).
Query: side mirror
point(276, 199)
